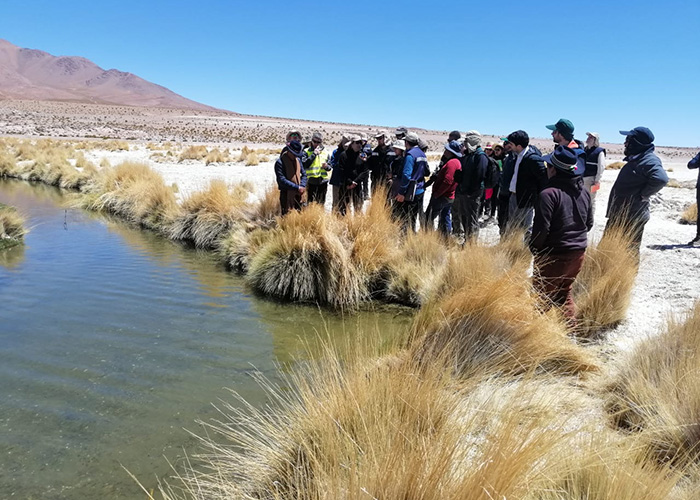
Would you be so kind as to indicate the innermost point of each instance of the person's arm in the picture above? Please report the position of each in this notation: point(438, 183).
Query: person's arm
point(695, 162)
point(302, 182)
point(406, 175)
point(601, 167)
point(308, 160)
point(589, 218)
point(283, 183)
point(543, 220)
point(656, 180)
point(481, 166)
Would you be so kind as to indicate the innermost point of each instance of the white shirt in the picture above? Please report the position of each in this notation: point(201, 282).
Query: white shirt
point(514, 180)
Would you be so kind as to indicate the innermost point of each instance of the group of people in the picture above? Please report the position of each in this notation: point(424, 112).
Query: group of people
point(549, 198)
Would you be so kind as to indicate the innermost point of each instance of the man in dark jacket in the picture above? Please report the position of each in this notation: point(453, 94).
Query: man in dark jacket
point(411, 189)
point(352, 172)
point(563, 217)
point(504, 185)
point(642, 176)
point(529, 178)
point(695, 163)
point(291, 177)
point(470, 187)
point(379, 162)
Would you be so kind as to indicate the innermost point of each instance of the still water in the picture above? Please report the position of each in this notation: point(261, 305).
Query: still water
point(114, 340)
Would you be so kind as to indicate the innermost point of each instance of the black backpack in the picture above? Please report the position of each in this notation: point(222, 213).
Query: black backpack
point(492, 173)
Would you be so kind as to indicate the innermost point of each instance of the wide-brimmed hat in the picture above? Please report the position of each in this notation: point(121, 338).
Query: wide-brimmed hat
point(381, 133)
point(400, 131)
point(296, 148)
point(563, 159)
point(399, 144)
point(455, 148)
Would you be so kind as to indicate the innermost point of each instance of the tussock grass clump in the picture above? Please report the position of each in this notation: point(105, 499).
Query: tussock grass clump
point(193, 153)
point(207, 216)
point(268, 208)
point(239, 247)
point(689, 215)
point(305, 259)
point(252, 158)
point(114, 145)
point(217, 156)
point(135, 192)
point(603, 289)
point(104, 163)
point(416, 268)
point(616, 165)
point(8, 165)
point(655, 392)
point(12, 227)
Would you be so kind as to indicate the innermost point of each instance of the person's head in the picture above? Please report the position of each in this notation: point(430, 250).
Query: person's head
point(411, 139)
point(562, 131)
point(356, 143)
point(472, 140)
point(401, 132)
point(638, 140)
point(295, 149)
point(381, 138)
point(518, 141)
point(592, 139)
point(454, 136)
point(507, 146)
point(294, 135)
point(316, 140)
point(399, 147)
point(453, 149)
point(488, 149)
point(422, 145)
point(498, 151)
point(561, 162)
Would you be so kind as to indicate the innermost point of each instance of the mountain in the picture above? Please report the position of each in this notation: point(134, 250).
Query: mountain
point(37, 75)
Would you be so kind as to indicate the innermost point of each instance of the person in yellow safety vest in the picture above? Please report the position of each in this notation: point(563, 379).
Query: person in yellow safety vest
point(317, 168)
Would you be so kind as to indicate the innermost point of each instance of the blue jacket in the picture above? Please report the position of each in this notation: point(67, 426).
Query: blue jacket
point(415, 168)
point(285, 184)
point(642, 176)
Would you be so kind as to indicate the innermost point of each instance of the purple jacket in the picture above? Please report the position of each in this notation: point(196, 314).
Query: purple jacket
point(563, 216)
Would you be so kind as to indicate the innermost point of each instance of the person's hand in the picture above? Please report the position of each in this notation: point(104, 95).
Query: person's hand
point(302, 190)
point(400, 198)
point(318, 150)
point(326, 166)
point(595, 187)
point(352, 186)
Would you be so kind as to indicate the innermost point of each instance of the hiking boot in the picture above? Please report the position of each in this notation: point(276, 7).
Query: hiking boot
point(695, 243)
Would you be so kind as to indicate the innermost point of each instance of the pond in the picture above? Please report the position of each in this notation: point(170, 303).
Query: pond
point(114, 340)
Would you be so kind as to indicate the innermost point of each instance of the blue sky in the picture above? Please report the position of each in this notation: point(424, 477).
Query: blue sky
point(491, 66)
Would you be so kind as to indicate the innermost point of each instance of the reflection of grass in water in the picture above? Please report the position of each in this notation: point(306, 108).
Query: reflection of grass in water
point(12, 257)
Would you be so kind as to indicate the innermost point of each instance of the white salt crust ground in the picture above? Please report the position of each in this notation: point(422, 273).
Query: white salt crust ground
point(669, 275)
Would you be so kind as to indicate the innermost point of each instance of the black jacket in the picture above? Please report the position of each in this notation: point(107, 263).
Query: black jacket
point(532, 178)
point(695, 163)
point(563, 216)
point(352, 168)
point(642, 176)
point(471, 181)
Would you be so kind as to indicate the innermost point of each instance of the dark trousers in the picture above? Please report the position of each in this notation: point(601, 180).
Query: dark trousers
point(493, 202)
point(503, 207)
point(633, 225)
point(409, 212)
point(317, 193)
point(553, 278)
point(466, 214)
point(290, 200)
point(441, 207)
point(697, 202)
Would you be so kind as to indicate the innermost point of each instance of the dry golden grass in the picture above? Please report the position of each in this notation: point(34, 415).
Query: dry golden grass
point(240, 245)
point(603, 289)
point(690, 215)
point(217, 156)
point(104, 163)
point(673, 183)
point(135, 192)
point(193, 153)
point(207, 216)
point(268, 208)
point(12, 227)
point(8, 165)
point(113, 145)
point(616, 165)
point(305, 259)
point(252, 158)
point(655, 392)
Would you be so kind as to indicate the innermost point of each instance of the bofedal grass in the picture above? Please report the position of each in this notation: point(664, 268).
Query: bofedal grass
point(12, 227)
point(136, 193)
point(217, 156)
point(207, 216)
point(654, 392)
point(193, 153)
point(689, 215)
point(307, 259)
point(603, 289)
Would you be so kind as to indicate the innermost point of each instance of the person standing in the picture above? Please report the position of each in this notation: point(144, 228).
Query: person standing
point(348, 163)
point(317, 168)
point(695, 163)
point(379, 162)
point(595, 165)
point(504, 185)
point(529, 178)
point(563, 217)
point(443, 193)
point(411, 187)
point(563, 135)
point(470, 187)
point(291, 177)
point(642, 176)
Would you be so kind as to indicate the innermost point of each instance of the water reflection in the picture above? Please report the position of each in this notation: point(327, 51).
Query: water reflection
point(12, 257)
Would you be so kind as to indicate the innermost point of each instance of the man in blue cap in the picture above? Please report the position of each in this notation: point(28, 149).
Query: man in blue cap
point(563, 217)
point(642, 176)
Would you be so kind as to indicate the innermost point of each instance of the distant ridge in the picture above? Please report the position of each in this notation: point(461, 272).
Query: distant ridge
point(37, 75)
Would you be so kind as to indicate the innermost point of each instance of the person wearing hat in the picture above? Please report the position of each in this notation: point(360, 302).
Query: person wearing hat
point(470, 187)
point(563, 135)
point(443, 193)
point(642, 177)
point(337, 179)
point(695, 163)
point(528, 179)
point(352, 171)
point(398, 147)
point(379, 162)
point(563, 217)
point(455, 135)
point(595, 165)
point(411, 187)
point(316, 166)
point(508, 167)
point(400, 133)
point(291, 177)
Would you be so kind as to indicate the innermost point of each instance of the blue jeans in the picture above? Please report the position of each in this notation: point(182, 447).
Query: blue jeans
point(441, 207)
